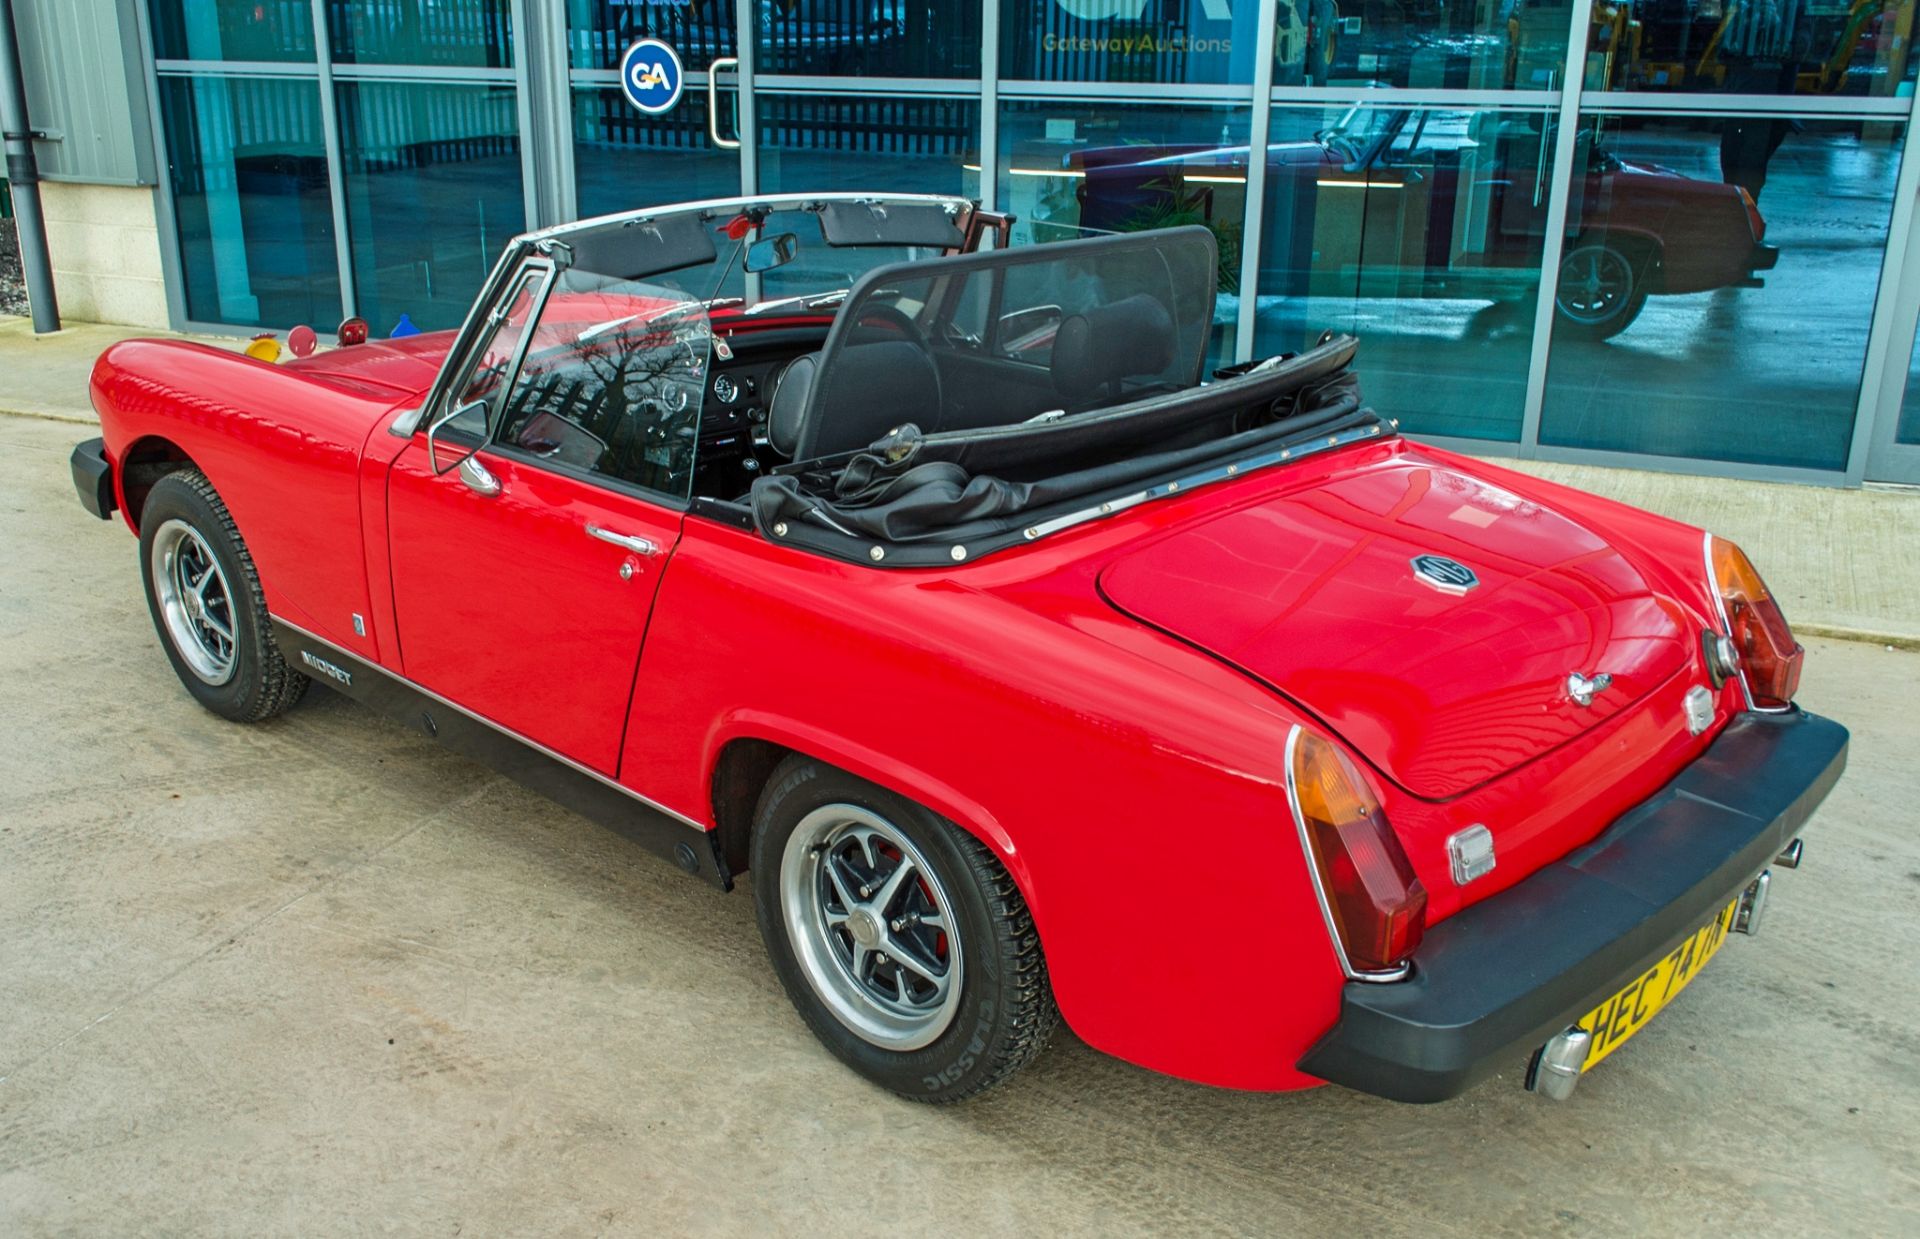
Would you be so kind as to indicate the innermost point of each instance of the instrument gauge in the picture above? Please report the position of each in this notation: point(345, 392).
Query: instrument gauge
point(725, 389)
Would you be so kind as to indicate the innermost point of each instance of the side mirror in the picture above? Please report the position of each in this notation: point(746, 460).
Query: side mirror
point(468, 420)
point(775, 251)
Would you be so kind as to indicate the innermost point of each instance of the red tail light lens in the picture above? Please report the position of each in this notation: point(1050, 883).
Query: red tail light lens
point(1375, 906)
point(1754, 222)
point(1769, 656)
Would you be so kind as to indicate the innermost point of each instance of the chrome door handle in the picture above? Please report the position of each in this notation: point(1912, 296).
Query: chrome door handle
point(639, 546)
point(713, 101)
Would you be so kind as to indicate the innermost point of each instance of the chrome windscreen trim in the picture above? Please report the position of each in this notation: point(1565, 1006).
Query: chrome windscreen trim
point(1218, 473)
point(508, 732)
point(1398, 973)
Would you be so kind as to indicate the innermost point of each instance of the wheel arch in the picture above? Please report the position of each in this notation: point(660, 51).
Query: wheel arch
point(742, 760)
point(146, 460)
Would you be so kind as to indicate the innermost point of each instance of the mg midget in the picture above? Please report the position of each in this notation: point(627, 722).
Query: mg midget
point(1028, 669)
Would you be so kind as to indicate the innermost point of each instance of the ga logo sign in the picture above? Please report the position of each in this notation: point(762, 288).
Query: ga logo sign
point(650, 75)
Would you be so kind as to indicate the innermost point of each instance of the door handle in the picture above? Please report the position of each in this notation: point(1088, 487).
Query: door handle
point(713, 101)
point(639, 546)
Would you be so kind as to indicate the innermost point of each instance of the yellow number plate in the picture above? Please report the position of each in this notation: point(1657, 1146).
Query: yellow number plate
point(1628, 1011)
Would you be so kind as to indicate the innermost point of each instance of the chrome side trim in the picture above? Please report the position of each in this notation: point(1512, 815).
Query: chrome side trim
point(1219, 473)
point(1399, 973)
point(508, 732)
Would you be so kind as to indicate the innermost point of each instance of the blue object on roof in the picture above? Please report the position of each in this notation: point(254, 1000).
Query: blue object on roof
point(405, 327)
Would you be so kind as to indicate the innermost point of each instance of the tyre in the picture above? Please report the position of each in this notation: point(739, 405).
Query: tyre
point(1602, 288)
point(901, 940)
point(206, 603)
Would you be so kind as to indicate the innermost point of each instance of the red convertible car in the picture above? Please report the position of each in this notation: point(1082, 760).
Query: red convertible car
point(1026, 670)
point(1431, 203)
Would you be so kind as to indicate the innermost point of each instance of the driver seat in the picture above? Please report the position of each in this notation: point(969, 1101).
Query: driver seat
point(873, 387)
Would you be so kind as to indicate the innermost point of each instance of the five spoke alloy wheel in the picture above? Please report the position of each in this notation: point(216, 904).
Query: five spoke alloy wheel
point(871, 926)
point(195, 601)
point(1601, 288)
point(207, 603)
point(901, 939)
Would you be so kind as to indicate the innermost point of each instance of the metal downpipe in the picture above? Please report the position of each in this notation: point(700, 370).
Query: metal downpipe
point(23, 175)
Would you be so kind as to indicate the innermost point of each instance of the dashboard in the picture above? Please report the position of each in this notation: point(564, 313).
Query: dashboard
point(733, 418)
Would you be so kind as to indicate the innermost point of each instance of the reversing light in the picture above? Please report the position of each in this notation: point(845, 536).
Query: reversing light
point(1375, 908)
point(1768, 657)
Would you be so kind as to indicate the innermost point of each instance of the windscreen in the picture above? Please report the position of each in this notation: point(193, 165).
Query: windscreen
point(714, 248)
point(612, 380)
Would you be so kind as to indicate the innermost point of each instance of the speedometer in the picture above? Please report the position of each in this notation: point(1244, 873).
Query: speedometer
point(725, 389)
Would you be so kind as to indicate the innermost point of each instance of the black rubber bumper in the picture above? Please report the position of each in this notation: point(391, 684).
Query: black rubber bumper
point(93, 478)
point(1491, 983)
point(1764, 258)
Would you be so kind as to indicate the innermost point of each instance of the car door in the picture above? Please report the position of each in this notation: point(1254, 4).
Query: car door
point(523, 579)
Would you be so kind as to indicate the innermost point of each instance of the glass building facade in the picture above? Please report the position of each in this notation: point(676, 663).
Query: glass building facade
point(1666, 233)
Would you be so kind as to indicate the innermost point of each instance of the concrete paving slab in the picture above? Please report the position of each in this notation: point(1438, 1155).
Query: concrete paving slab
point(321, 976)
point(46, 376)
point(1843, 562)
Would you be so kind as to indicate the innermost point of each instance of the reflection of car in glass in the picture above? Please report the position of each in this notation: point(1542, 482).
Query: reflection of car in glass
point(1397, 203)
point(946, 594)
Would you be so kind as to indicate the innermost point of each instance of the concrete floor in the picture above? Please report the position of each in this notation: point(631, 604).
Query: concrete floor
point(320, 976)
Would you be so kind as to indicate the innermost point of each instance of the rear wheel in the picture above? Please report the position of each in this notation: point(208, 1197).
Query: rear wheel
point(206, 603)
point(1602, 287)
point(899, 937)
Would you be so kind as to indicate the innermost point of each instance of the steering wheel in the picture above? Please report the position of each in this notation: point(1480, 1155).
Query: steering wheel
point(894, 317)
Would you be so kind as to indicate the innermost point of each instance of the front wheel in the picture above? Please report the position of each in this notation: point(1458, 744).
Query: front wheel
point(207, 605)
point(1602, 288)
point(900, 939)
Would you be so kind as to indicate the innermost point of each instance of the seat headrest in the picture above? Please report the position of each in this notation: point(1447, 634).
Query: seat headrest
point(791, 391)
point(1107, 343)
point(870, 389)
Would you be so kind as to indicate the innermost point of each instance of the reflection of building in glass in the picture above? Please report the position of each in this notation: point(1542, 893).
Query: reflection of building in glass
point(1643, 285)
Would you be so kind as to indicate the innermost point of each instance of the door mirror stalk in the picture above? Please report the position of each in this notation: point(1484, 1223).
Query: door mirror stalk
point(478, 477)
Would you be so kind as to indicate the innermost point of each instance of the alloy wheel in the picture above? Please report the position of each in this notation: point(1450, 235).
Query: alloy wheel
point(1596, 282)
point(871, 926)
point(195, 601)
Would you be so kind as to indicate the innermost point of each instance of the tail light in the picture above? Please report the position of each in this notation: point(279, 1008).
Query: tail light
point(1375, 907)
point(1769, 657)
point(1754, 222)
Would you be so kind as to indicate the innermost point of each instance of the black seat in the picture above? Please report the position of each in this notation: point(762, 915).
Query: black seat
point(1094, 350)
point(872, 388)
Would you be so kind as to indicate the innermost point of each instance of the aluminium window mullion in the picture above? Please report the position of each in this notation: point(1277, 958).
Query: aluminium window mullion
point(1896, 305)
point(1254, 210)
point(336, 161)
point(989, 85)
point(1559, 192)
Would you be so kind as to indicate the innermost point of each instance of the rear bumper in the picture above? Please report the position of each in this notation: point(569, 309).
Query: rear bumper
point(1764, 258)
point(1491, 983)
point(93, 478)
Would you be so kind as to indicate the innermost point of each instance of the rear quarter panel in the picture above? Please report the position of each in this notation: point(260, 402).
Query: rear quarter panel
point(1132, 787)
point(283, 450)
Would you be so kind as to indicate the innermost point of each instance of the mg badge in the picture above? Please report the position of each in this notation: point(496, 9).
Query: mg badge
point(1449, 576)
